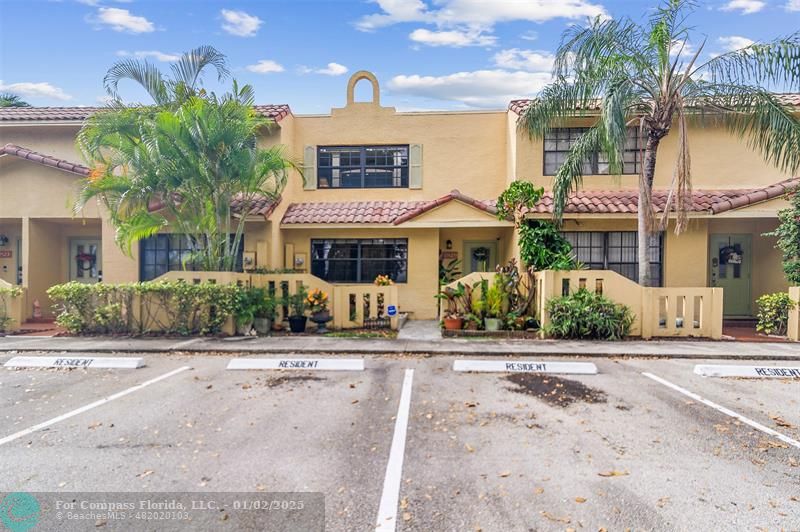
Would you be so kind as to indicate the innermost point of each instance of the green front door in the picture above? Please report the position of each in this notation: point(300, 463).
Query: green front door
point(479, 256)
point(730, 257)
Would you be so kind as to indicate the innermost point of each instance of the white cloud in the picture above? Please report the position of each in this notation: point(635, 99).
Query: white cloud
point(265, 66)
point(123, 20)
point(476, 12)
point(734, 42)
point(531, 60)
point(155, 54)
point(682, 47)
point(792, 5)
point(529, 36)
point(393, 12)
point(95, 3)
point(35, 90)
point(333, 69)
point(456, 38)
point(480, 88)
point(240, 23)
point(747, 7)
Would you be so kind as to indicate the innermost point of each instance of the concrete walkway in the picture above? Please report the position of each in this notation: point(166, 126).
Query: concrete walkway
point(311, 344)
point(420, 330)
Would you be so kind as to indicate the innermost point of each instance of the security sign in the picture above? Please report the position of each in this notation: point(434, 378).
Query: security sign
point(391, 310)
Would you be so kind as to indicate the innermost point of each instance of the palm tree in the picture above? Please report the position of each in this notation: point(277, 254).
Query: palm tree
point(12, 100)
point(182, 162)
point(646, 76)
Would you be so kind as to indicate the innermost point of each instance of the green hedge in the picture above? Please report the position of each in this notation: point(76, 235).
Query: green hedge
point(587, 315)
point(162, 307)
point(773, 313)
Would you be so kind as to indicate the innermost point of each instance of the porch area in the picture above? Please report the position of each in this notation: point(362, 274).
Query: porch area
point(37, 253)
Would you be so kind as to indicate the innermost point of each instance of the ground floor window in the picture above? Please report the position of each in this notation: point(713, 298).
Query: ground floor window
point(163, 253)
point(359, 260)
point(617, 251)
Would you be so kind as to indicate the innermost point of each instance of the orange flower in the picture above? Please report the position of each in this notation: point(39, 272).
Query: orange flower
point(96, 173)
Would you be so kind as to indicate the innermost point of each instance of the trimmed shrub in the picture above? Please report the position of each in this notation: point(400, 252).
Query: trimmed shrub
point(163, 307)
point(773, 313)
point(587, 315)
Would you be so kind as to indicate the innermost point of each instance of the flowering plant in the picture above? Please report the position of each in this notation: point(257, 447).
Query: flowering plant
point(383, 280)
point(317, 301)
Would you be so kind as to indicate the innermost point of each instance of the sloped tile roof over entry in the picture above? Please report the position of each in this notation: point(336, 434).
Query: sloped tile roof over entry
point(348, 212)
point(46, 160)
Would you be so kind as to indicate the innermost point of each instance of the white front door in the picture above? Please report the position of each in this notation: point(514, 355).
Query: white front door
point(85, 260)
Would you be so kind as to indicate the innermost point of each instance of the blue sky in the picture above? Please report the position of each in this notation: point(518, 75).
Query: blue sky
point(427, 54)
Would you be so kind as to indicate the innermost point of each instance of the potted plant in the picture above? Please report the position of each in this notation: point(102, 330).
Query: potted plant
point(265, 311)
point(245, 310)
point(383, 280)
point(493, 308)
point(453, 320)
point(472, 322)
point(297, 310)
point(317, 302)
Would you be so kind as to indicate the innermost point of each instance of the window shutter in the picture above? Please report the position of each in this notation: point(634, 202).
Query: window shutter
point(415, 166)
point(310, 168)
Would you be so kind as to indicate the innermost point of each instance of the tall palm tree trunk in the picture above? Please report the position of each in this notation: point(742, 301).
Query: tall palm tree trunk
point(645, 210)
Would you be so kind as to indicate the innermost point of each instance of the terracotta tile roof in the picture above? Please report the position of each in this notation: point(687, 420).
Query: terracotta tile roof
point(756, 196)
point(452, 195)
point(582, 202)
point(626, 201)
point(349, 212)
point(56, 114)
point(261, 206)
point(519, 106)
point(46, 160)
point(372, 212)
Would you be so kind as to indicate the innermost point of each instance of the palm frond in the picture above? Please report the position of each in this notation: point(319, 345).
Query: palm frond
point(772, 63)
point(757, 116)
point(141, 71)
point(189, 67)
point(570, 175)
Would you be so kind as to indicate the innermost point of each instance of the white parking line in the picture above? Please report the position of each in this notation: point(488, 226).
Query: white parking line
point(390, 498)
point(90, 406)
point(726, 411)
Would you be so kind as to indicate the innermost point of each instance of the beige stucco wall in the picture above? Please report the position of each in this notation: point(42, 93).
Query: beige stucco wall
point(29, 189)
point(417, 295)
point(57, 140)
point(464, 151)
point(719, 160)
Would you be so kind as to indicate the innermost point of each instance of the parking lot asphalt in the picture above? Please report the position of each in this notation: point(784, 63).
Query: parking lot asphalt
point(482, 451)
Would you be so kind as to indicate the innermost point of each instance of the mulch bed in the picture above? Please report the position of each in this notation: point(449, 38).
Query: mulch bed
point(514, 335)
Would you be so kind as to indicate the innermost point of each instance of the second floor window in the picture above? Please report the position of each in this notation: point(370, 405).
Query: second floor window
point(362, 167)
point(558, 142)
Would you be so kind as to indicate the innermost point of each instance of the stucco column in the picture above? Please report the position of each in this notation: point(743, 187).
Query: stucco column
point(117, 266)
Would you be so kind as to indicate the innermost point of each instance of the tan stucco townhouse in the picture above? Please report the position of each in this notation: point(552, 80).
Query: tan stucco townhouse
point(398, 192)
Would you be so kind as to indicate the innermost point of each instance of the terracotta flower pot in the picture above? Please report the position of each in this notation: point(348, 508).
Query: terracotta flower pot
point(453, 324)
